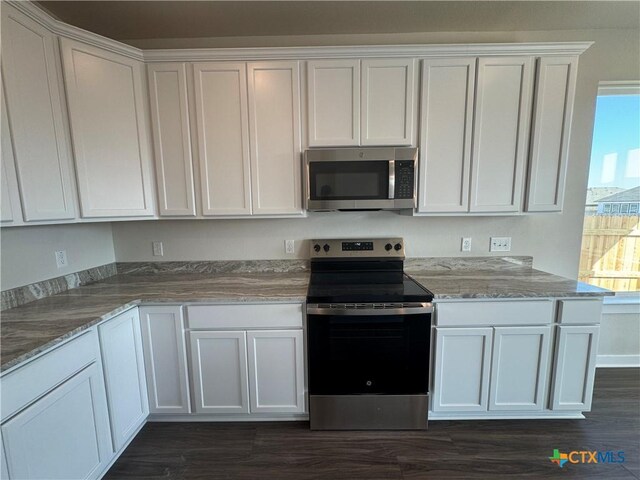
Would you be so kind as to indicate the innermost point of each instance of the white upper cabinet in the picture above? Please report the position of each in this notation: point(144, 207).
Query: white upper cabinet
point(556, 83)
point(445, 134)
point(501, 132)
point(10, 202)
point(171, 138)
point(361, 102)
point(387, 102)
point(274, 130)
point(34, 102)
point(109, 127)
point(334, 102)
point(223, 137)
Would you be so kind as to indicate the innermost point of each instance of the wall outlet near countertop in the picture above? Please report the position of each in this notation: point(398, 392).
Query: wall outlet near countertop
point(289, 247)
point(500, 244)
point(466, 244)
point(158, 250)
point(61, 258)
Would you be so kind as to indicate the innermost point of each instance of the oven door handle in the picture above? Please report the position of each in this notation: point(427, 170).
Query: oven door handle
point(318, 310)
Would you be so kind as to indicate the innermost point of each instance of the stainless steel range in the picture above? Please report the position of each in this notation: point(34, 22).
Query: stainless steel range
point(368, 337)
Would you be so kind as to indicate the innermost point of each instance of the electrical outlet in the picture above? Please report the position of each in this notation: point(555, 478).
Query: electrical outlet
point(466, 244)
point(500, 244)
point(158, 251)
point(61, 258)
point(289, 246)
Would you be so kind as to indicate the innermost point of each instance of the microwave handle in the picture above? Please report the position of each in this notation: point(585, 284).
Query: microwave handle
point(392, 179)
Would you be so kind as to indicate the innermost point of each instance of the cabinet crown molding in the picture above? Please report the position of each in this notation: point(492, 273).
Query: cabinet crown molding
point(297, 53)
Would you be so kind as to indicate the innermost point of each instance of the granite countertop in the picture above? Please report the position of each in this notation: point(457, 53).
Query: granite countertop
point(490, 277)
point(37, 326)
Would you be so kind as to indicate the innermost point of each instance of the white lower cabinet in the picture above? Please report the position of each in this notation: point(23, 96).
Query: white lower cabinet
point(519, 368)
point(574, 372)
point(276, 371)
point(124, 374)
point(163, 341)
point(219, 372)
point(247, 359)
point(462, 363)
point(64, 434)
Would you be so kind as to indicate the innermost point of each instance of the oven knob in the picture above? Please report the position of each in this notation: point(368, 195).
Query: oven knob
point(397, 246)
point(326, 247)
point(388, 247)
point(316, 247)
point(369, 383)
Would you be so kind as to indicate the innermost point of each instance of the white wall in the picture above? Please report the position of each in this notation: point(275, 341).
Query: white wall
point(552, 239)
point(620, 337)
point(28, 252)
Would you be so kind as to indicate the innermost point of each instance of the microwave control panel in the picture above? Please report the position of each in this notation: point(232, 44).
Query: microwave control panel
point(405, 171)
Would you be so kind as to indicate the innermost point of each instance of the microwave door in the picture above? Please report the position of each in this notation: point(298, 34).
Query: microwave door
point(346, 182)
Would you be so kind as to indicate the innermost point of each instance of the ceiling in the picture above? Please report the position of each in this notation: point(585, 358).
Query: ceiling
point(131, 20)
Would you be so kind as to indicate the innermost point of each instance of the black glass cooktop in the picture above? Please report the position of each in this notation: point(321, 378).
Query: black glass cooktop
point(366, 287)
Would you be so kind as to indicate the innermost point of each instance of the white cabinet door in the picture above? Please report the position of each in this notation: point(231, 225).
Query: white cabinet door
point(575, 367)
point(276, 371)
point(274, 126)
point(555, 84)
point(164, 344)
point(124, 375)
point(333, 93)
point(387, 102)
point(171, 138)
point(4, 469)
point(223, 137)
point(445, 137)
point(501, 130)
point(64, 435)
point(219, 372)
point(34, 101)
point(110, 131)
point(519, 368)
point(463, 362)
point(10, 202)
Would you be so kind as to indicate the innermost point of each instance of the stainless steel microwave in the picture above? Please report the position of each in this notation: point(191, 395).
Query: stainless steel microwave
point(382, 178)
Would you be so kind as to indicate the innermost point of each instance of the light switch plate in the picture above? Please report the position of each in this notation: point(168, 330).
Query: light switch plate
point(500, 244)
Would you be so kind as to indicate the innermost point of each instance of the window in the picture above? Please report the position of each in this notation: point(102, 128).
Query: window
point(610, 255)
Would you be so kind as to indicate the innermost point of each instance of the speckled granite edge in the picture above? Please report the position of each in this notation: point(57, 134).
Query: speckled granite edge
point(228, 266)
point(28, 293)
point(49, 345)
point(467, 263)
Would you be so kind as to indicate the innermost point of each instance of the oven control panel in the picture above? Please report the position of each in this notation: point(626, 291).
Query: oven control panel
point(357, 248)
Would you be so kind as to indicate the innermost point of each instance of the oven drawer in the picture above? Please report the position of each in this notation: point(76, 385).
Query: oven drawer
point(275, 315)
point(494, 313)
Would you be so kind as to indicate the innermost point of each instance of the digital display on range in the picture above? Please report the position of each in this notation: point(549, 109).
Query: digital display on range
point(356, 246)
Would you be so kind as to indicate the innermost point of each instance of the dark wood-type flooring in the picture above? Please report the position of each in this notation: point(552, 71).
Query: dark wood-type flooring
point(485, 449)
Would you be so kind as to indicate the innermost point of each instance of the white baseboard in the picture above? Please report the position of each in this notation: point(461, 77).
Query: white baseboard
point(616, 361)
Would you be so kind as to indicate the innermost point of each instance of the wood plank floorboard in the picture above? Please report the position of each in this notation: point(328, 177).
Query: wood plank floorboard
point(485, 449)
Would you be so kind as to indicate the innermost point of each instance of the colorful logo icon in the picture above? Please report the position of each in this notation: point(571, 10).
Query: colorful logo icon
point(586, 456)
point(559, 458)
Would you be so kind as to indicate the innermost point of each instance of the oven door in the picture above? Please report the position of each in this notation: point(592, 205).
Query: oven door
point(368, 351)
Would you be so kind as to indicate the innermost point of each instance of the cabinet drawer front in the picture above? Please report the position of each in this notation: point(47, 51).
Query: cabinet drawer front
point(24, 385)
point(64, 435)
point(583, 312)
point(529, 312)
point(245, 316)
